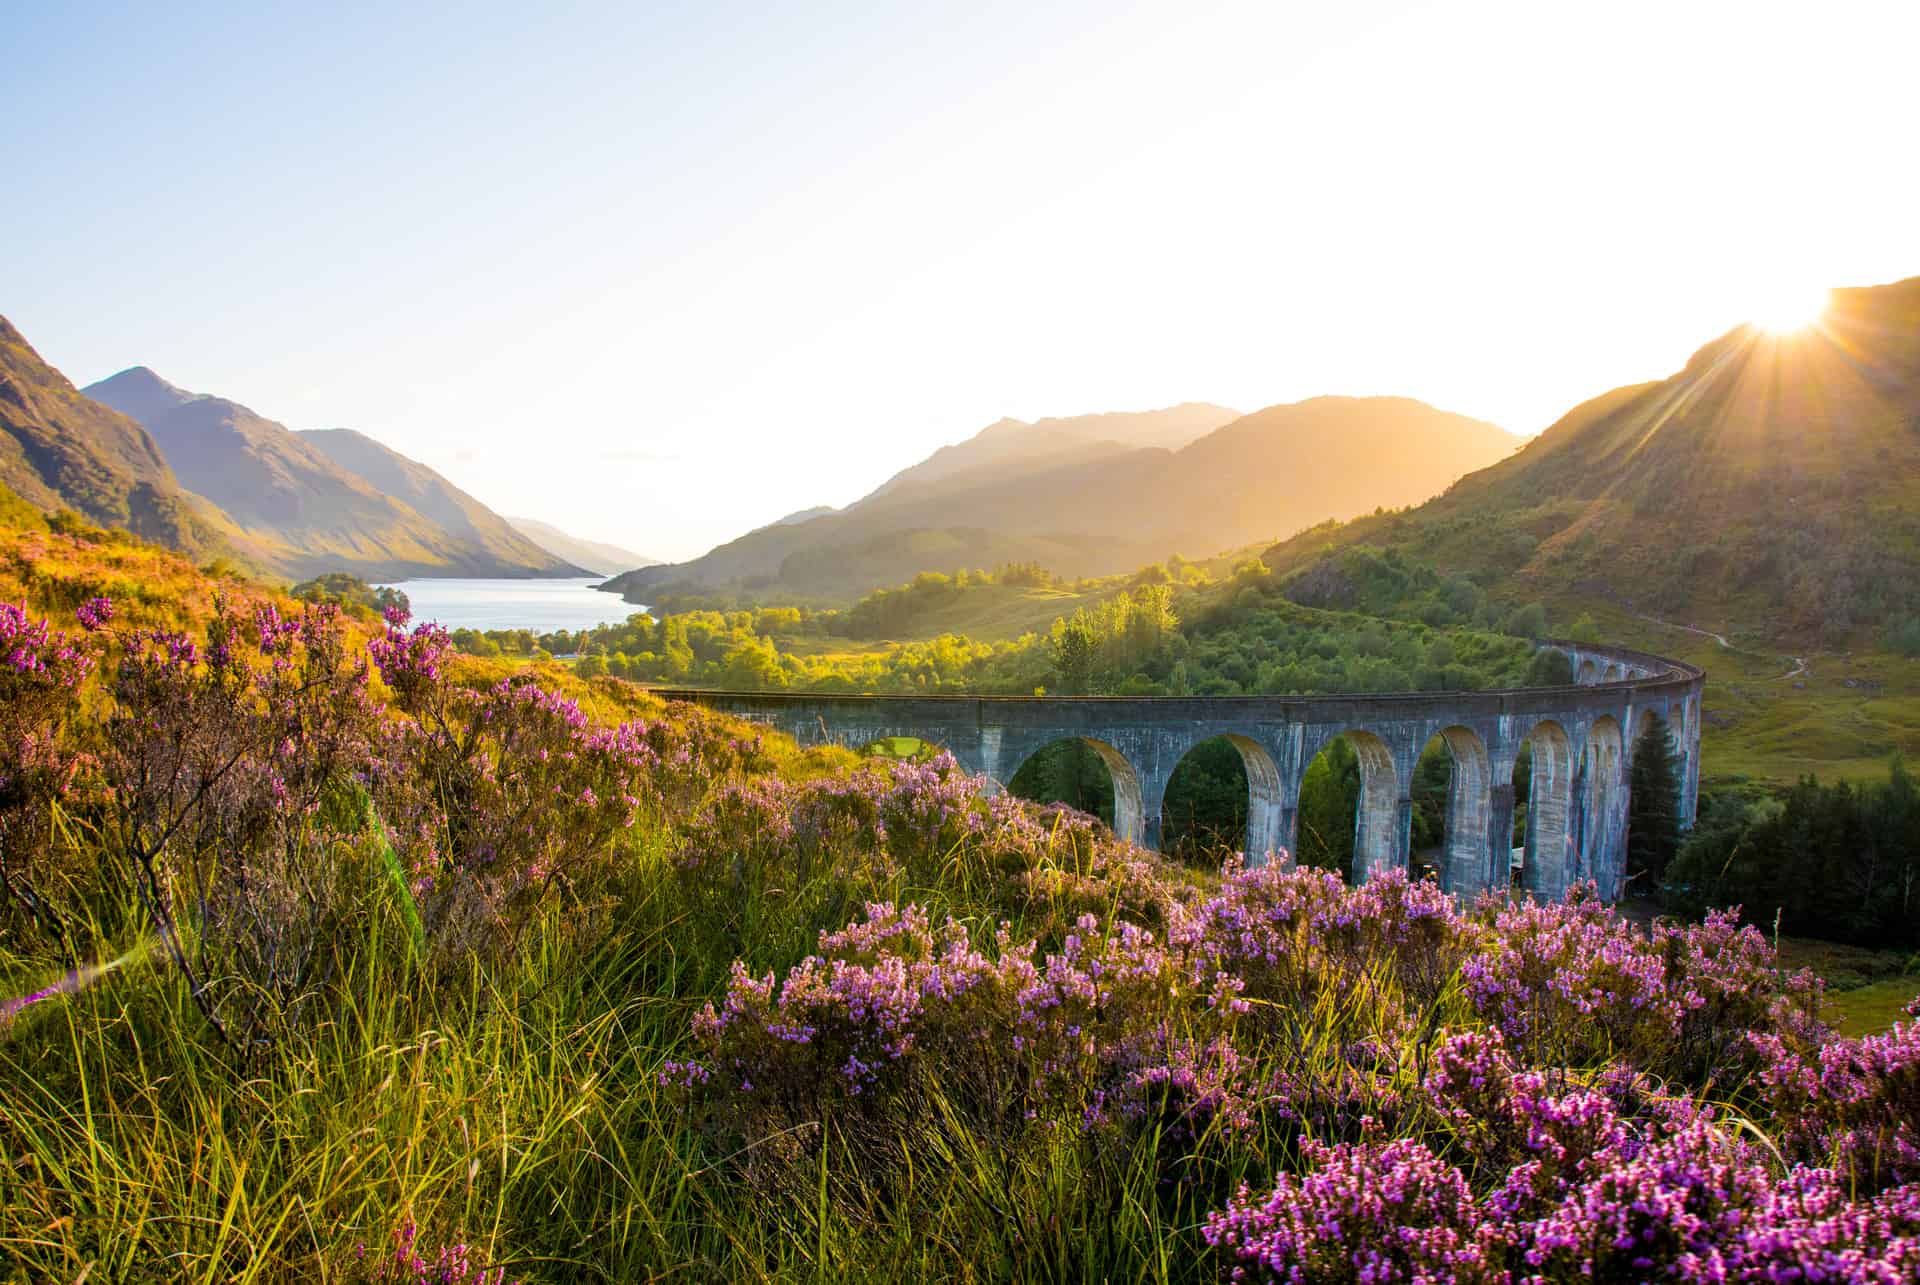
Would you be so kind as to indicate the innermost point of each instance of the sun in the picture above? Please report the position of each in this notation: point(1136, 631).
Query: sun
point(1788, 308)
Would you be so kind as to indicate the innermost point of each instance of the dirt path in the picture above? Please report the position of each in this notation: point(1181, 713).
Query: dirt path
point(1799, 662)
point(1704, 633)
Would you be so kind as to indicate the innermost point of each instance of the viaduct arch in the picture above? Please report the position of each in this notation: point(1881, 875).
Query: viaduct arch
point(1579, 738)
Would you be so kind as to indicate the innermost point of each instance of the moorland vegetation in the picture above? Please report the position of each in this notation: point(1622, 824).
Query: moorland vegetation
point(335, 954)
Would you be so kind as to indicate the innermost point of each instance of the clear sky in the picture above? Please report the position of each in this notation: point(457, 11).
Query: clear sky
point(658, 273)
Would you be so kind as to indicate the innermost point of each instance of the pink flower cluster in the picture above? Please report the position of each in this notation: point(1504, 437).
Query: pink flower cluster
point(1533, 1180)
point(450, 1265)
point(36, 653)
point(410, 662)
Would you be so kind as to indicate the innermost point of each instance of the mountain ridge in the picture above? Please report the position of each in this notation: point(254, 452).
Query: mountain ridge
point(61, 449)
point(1106, 507)
point(1771, 484)
point(300, 511)
point(596, 556)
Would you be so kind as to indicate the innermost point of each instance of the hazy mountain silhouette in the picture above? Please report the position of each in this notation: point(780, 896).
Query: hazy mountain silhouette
point(59, 449)
point(303, 511)
point(797, 516)
point(1008, 446)
point(1772, 484)
point(1085, 504)
point(595, 556)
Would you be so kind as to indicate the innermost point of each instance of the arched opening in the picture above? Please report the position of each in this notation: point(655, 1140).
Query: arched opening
point(1086, 774)
point(1589, 673)
point(1549, 788)
point(1349, 808)
point(1223, 796)
point(900, 749)
point(1452, 813)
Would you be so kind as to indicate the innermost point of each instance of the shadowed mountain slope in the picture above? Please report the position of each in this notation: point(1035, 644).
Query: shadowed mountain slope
point(1103, 507)
point(303, 512)
point(59, 449)
point(434, 497)
point(1771, 485)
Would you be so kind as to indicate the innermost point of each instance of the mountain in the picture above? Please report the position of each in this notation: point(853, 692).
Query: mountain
point(58, 449)
point(1772, 486)
point(1083, 504)
point(801, 515)
point(432, 496)
point(1008, 445)
point(302, 511)
point(598, 558)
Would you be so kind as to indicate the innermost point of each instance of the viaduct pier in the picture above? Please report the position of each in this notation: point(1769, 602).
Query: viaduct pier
point(1579, 739)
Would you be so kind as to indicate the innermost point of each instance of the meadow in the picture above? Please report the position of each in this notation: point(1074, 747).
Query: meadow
point(333, 955)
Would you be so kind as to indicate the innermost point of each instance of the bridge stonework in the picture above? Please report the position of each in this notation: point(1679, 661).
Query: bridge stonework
point(1580, 738)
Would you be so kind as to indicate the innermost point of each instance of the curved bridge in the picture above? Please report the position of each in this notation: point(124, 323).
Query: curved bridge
point(1579, 738)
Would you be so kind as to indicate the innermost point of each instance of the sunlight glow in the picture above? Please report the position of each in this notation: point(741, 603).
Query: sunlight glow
point(1790, 308)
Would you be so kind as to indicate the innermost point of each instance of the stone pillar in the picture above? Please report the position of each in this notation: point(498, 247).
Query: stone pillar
point(1580, 826)
point(1499, 860)
point(1383, 843)
point(1153, 797)
point(1402, 856)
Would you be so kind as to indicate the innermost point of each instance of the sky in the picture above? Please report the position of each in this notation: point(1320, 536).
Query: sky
point(660, 273)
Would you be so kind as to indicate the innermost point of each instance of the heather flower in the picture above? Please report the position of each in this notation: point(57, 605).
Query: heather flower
point(410, 663)
point(94, 613)
point(1380, 1212)
point(1853, 1104)
point(450, 1265)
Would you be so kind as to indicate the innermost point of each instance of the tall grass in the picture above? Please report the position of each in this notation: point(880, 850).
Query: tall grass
point(313, 986)
point(519, 1110)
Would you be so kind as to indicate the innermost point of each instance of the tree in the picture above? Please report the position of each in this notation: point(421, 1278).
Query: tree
point(1074, 646)
point(1070, 772)
point(1329, 803)
point(1653, 815)
point(1529, 621)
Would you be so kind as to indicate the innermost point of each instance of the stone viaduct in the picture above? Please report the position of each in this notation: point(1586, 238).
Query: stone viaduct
point(1579, 738)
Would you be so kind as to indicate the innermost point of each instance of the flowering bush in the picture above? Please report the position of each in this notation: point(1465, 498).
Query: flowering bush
point(1373, 1212)
point(1854, 1104)
point(1319, 1082)
point(1575, 984)
point(450, 1265)
point(41, 670)
point(1674, 1197)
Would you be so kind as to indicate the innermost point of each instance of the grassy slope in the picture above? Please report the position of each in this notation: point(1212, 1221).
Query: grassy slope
point(59, 450)
point(523, 1113)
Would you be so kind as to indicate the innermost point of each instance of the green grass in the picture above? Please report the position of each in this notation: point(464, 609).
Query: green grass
point(1870, 1009)
point(520, 1114)
point(1841, 719)
point(1867, 990)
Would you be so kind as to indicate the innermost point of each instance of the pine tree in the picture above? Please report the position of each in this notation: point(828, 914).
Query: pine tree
point(1653, 820)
